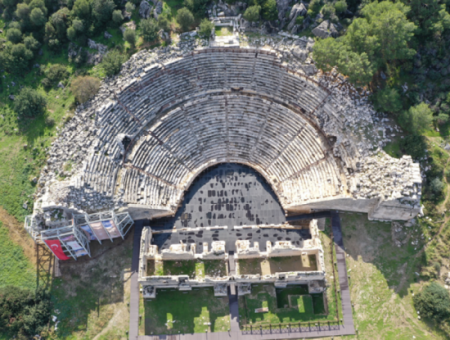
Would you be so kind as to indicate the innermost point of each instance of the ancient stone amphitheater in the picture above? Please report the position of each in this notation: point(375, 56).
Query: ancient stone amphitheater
point(139, 144)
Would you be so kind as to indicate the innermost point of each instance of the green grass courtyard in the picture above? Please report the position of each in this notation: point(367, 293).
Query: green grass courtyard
point(196, 311)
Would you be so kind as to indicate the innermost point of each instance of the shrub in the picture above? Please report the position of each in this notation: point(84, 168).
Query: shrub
point(29, 102)
point(112, 62)
point(163, 23)
point(31, 43)
point(130, 36)
point(185, 18)
point(84, 88)
point(56, 73)
point(252, 13)
point(14, 35)
point(340, 6)
point(387, 100)
point(270, 11)
point(418, 118)
point(71, 33)
point(149, 29)
point(102, 10)
point(437, 186)
point(314, 8)
point(205, 28)
point(37, 17)
point(414, 146)
point(299, 20)
point(433, 302)
point(129, 7)
point(22, 312)
point(117, 17)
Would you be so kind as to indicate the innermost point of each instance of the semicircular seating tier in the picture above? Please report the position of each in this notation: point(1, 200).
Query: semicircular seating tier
point(151, 133)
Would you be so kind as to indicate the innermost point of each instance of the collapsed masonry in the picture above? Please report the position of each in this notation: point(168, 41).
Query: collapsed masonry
point(299, 260)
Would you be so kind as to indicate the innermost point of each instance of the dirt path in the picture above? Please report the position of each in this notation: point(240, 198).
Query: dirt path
point(18, 234)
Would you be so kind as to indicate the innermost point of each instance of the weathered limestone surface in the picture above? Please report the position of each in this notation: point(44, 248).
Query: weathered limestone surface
point(175, 111)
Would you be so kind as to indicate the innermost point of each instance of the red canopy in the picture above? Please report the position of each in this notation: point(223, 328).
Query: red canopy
point(55, 246)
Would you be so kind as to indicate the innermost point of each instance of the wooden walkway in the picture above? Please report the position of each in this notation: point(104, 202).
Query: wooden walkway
point(347, 328)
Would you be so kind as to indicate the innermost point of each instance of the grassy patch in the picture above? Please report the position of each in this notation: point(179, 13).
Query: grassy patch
point(382, 280)
point(194, 311)
point(180, 268)
point(289, 305)
point(16, 270)
point(223, 31)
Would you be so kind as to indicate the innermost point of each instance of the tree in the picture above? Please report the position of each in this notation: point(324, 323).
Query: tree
point(331, 52)
point(420, 118)
point(437, 186)
point(270, 10)
point(81, 9)
point(17, 57)
point(31, 43)
point(205, 28)
point(71, 33)
point(378, 41)
point(149, 29)
point(37, 17)
point(40, 4)
point(185, 18)
point(29, 103)
point(102, 11)
point(112, 62)
point(77, 24)
point(387, 100)
point(196, 6)
point(23, 312)
point(129, 7)
point(130, 36)
point(433, 302)
point(340, 6)
point(23, 11)
point(314, 8)
point(252, 13)
point(59, 21)
point(85, 88)
point(117, 17)
point(163, 23)
point(14, 35)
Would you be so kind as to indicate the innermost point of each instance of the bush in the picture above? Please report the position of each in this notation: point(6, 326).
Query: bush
point(14, 35)
point(437, 186)
point(314, 8)
point(84, 88)
point(102, 11)
point(56, 73)
point(387, 100)
point(414, 146)
point(117, 17)
point(130, 36)
point(340, 6)
point(112, 62)
point(149, 29)
point(163, 23)
point(299, 20)
point(129, 7)
point(185, 18)
point(37, 17)
point(31, 43)
point(433, 302)
point(252, 13)
point(418, 118)
point(29, 103)
point(22, 312)
point(270, 11)
point(205, 28)
point(71, 33)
